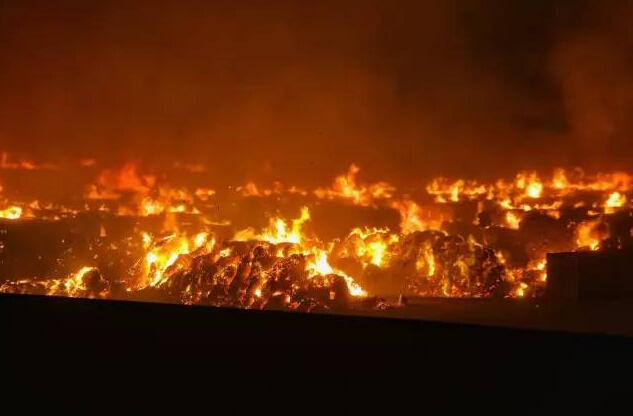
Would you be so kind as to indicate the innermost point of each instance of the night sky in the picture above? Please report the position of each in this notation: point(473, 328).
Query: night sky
point(280, 89)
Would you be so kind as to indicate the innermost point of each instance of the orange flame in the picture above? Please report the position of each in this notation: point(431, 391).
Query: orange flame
point(11, 213)
point(346, 188)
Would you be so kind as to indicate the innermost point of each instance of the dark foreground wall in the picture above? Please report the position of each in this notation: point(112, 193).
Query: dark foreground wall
point(69, 351)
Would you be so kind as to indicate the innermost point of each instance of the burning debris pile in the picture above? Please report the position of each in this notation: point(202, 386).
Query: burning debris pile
point(136, 237)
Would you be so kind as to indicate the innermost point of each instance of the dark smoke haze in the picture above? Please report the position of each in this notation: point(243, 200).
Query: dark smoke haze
point(298, 90)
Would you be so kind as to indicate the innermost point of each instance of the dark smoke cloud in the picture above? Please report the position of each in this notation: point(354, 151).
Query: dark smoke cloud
point(297, 90)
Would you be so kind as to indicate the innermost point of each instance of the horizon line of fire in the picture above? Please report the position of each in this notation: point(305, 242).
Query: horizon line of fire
point(601, 194)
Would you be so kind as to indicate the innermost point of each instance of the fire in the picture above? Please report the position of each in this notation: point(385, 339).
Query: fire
point(23, 164)
point(560, 181)
point(126, 179)
point(111, 183)
point(93, 192)
point(87, 282)
point(250, 189)
point(616, 200)
point(204, 193)
point(11, 213)
point(530, 183)
point(281, 234)
point(376, 250)
point(450, 241)
point(278, 230)
point(75, 283)
point(445, 190)
point(616, 181)
point(426, 260)
point(346, 188)
point(151, 207)
point(588, 234)
point(534, 189)
point(540, 268)
point(371, 246)
point(521, 289)
point(320, 266)
point(513, 220)
point(442, 190)
point(164, 253)
point(414, 218)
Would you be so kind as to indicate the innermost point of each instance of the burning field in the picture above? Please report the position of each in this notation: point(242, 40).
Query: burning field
point(133, 234)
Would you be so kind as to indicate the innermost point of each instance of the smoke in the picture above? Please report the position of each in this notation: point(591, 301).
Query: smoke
point(298, 90)
point(593, 68)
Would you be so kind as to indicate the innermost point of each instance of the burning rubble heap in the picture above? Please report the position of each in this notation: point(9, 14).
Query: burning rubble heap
point(143, 239)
